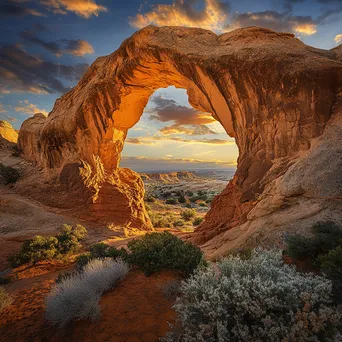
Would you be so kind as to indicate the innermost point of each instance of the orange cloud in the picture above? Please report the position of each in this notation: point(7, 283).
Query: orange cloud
point(187, 129)
point(184, 13)
point(29, 108)
point(155, 139)
point(83, 8)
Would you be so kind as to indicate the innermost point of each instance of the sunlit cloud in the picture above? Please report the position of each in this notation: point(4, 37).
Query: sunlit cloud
point(83, 8)
point(29, 109)
point(338, 38)
point(2, 108)
point(187, 129)
point(216, 16)
point(184, 13)
point(17, 9)
point(154, 140)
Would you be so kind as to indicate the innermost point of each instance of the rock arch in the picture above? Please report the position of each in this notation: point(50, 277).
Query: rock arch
point(271, 92)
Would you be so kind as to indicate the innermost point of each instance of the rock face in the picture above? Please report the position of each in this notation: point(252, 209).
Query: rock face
point(279, 99)
point(7, 132)
point(169, 177)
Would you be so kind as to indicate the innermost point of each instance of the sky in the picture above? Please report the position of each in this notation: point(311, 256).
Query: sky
point(46, 46)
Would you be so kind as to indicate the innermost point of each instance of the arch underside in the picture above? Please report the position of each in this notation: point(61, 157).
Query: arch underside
point(269, 91)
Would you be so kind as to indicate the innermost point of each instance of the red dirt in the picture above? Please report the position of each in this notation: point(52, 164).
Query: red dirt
point(136, 310)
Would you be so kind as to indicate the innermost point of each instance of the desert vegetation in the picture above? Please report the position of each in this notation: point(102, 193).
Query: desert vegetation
point(255, 299)
point(9, 174)
point(77, 296)
point(67, 241)
point(322, 251)
point(5, 299)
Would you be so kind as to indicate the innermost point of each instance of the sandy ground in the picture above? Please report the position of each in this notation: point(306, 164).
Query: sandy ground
point(136, 310)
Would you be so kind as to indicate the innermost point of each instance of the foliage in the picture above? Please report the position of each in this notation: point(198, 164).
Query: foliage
point(150, 198)
point(190, 193)
point(160, 220)
point(77, 296)
point(10, 174)
point(100, 250)
point(171, 289)
point(202, 204)
point(257, 299)
point(188, 214)
point(331, 263)
point(326, 236)
point(5, 299)
point(181, 199)
point(171, 201)
point(179, 223)
point(197, 221)
point(46, 248)
point(157, 251)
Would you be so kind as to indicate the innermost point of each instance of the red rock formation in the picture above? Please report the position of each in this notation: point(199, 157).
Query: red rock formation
point(7, 132)
point(271, 92)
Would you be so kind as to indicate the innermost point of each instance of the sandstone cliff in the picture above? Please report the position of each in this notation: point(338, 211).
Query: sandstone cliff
point(7, 132)
point(279, 99)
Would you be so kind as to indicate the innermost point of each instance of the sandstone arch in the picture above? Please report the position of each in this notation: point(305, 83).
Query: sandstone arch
point(276, 96)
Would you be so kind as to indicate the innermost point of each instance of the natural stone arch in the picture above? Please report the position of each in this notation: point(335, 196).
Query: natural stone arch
point(271, 92)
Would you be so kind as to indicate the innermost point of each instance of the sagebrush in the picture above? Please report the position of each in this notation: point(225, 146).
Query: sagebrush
point(5, 299)
point(77, 296)
point(258, 299)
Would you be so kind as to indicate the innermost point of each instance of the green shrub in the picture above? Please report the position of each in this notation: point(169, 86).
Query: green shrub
point(100, 250)
point(202, 204)
point(179, 223)
point(5, 299)
point(188, 214)
point(161, 220)
point(197, 221)
point(150, 199)
point(326, 236)
point(331, 263)
point(181, 199)
point(190, 193)
point(46, 248)
point(157, 251)
point(170, 201)
point(258, 299)
point(10, 174)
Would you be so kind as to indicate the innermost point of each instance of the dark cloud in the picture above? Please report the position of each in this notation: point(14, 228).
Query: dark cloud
point(78, 47)
point(275, 21)
point(21, 71)
point(167, 110)
point(15, 9)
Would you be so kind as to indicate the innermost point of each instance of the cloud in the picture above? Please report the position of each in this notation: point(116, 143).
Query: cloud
point(76, 47)
point(169, 163)
point(14, 9)
point(156, 139)
point(338, 38)
point(29, 109)
point(2, 108)
point(187, 129)
point(22, 72)
point(8, 118)
point(83, 8)
point(303, 25)
point(185, 13)
point(215, 15)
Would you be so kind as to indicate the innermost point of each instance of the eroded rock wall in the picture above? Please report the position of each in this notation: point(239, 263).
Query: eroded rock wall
point(271, 92)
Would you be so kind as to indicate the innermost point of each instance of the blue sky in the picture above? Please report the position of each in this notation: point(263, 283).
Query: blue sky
point(46, 45)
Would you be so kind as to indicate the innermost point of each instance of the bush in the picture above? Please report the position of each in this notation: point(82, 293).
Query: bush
point(77, 296)
point(331, 263)
point(179, 223)
point(10, 174)
point(171, 289)
point(46, 248)
point(171, 201)
point(326, 236)
point(190, 193)
point(5, 299)
point(181, 199)
point(157, 251)
point(197, 221)
point(150, 199)
point(202, 204)
point(100, 250)
point(259, 299)
point(188, 214)
point(162, 220)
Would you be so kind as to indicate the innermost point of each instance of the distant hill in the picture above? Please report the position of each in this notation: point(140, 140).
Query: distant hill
point(170, 177)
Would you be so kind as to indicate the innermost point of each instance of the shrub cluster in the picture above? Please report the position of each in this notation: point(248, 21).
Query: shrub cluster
point(171, 201)
point(77, 295)
point(157, 251)
point(10, 174)
point(197, 221)
point(5, 299)
point(188, 214)
point(46, 248)
point(323, 249)
point(257, 299)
